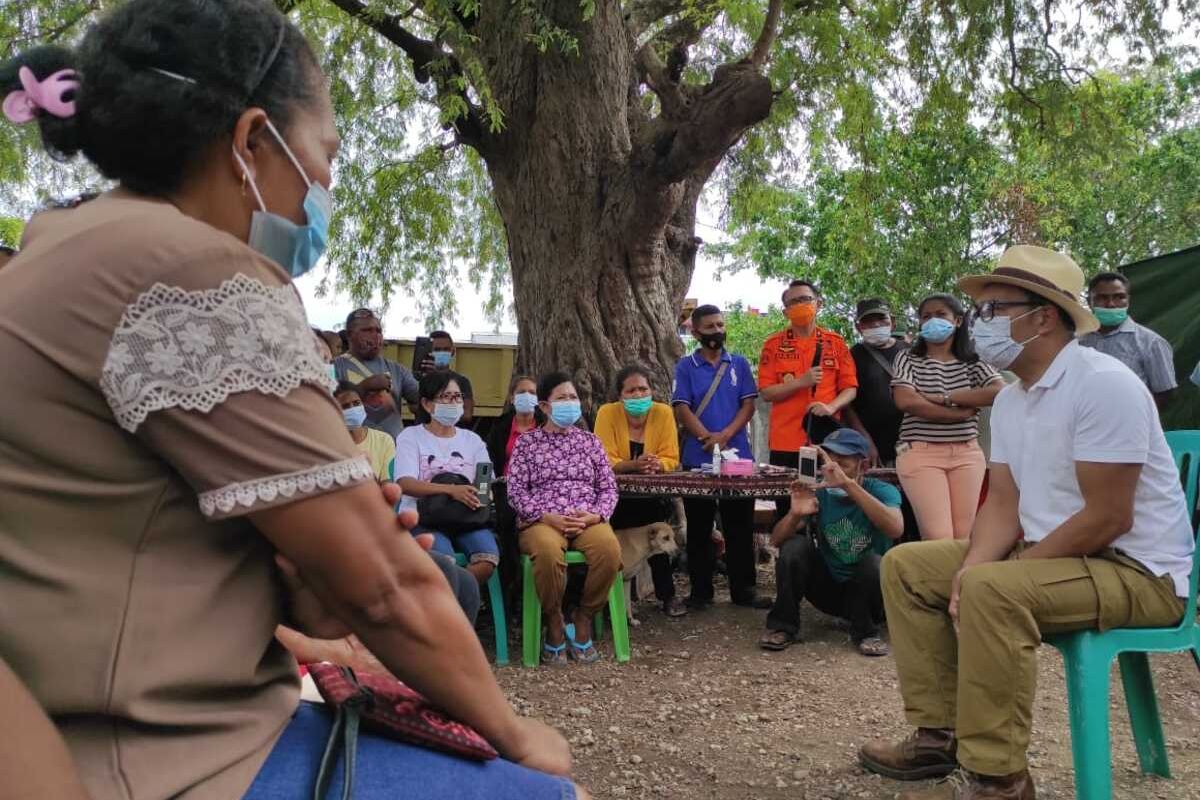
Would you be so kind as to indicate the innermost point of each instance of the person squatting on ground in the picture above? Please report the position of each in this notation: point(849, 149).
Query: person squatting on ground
point(836, 568)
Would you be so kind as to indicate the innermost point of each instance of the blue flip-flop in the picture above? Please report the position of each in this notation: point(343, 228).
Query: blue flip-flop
point(585, 652)
point(554, 655)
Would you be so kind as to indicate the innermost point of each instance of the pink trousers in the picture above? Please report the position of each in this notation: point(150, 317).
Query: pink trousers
point(943, 482)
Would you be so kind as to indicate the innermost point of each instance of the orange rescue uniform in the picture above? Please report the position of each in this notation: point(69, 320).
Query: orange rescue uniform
point(786, 357)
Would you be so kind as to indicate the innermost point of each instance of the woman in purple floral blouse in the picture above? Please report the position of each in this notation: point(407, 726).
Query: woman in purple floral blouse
point(563, 491)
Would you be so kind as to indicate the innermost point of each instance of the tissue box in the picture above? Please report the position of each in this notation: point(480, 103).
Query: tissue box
point(737, 466)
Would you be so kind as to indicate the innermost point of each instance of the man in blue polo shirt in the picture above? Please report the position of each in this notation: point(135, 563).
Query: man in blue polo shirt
point(714, 401)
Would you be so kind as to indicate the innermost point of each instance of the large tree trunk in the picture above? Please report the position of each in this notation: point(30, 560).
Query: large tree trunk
point(597, 185)
point(599, 199)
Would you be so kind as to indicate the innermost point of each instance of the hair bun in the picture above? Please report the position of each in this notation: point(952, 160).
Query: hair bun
point(62, 137)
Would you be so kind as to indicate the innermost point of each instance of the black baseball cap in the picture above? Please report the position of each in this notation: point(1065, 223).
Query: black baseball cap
point(872, 305)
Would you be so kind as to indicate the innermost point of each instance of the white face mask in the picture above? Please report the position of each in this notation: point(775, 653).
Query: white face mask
point(877, 336)
point(994, 342)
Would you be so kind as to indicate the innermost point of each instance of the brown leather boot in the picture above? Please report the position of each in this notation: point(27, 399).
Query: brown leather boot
point(964, 785)
point(927, 753)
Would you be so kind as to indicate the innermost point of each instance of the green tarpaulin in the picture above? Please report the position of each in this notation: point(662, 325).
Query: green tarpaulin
point(1166, 299)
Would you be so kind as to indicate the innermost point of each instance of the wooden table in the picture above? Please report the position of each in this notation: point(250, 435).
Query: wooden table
point(764, 486)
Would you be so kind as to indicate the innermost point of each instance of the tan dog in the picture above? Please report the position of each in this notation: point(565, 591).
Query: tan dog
point(637, 545)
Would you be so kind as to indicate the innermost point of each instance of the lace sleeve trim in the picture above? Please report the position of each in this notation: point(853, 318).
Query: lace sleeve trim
point(266, 491)
point(175, 348)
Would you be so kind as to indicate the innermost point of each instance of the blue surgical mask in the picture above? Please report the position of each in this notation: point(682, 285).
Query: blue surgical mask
point(994, 342)
point(447, 414)
point(296, 248)
point(937, 330)
point(333, 373)
point(525, 402)
point(565, 413)
point(355, 416)
point(441, 358)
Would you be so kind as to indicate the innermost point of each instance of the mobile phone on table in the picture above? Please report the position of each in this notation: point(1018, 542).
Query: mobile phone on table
point(808, 465)
point(483, 482)
point(422, 351)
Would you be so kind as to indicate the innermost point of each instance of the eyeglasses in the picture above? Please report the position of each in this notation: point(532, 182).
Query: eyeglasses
point(450, 398)
point(798, 301)
point(986, 311)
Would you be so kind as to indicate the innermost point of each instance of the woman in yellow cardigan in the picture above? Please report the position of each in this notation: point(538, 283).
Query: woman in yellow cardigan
point(639, 435)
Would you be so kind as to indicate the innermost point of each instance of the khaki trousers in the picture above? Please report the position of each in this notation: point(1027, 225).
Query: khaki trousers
point(982, 682)
point(548, 548)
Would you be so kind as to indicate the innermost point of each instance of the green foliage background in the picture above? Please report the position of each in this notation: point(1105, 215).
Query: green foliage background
point(909, 142)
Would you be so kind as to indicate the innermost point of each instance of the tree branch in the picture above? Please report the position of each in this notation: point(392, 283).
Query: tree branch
point(1010, 30)
point(762, 48)
point(427, 57)
point(738, 98)
point(641, 14)
point(665, 80)
point(1064, 68)
point(654, 74)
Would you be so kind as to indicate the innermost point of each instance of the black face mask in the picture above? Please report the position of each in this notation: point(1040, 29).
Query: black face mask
point(713, 341)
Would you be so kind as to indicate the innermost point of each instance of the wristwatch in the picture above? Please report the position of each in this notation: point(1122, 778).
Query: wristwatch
point(946, 400)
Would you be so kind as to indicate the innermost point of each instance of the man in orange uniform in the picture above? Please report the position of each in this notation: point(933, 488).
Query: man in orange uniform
point(804, 369)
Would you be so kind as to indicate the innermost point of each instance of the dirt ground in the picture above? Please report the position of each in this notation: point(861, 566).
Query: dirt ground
point(701, 712)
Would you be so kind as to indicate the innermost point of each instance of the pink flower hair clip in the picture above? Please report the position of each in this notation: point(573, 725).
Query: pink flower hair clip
point(22, 105)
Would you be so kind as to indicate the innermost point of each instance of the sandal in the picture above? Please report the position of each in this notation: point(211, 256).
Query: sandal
point(554, 655)
point(777, 640)
point(584, 653)
point(873, 646)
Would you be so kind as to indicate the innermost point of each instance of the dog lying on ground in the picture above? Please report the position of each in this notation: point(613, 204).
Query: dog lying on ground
point(637, 545)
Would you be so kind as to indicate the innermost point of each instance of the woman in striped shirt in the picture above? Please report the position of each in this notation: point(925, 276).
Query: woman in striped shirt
point(940, 385)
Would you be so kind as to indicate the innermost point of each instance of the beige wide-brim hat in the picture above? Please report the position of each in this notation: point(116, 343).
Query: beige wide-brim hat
point(1048, 274)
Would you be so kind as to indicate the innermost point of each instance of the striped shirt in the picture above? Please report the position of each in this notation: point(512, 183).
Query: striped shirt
point(930, 376)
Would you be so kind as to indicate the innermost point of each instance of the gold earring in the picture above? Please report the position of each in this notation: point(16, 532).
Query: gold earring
point(243, 184)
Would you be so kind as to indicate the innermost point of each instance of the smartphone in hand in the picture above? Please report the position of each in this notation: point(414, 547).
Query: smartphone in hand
point(422, 352)
point(483, 482)
point(809, 472)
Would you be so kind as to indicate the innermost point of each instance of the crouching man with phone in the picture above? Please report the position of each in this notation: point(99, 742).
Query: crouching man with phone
point(837, 568)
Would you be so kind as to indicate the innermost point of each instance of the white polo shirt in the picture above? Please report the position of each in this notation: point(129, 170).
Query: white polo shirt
point(1091, 407)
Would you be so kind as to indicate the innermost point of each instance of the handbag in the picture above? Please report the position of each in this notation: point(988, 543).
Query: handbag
point(383, 705)
point(442, 513)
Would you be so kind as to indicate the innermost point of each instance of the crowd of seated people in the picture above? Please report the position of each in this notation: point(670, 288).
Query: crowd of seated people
point(224, 505)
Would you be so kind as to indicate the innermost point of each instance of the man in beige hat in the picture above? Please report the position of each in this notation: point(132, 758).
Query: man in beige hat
point(1080, 466)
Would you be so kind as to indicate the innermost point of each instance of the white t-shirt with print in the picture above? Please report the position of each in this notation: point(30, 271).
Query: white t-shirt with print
point(1090, 407)
point(421, 455)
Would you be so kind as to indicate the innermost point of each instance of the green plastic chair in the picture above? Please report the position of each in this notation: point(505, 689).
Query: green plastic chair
point(499, 619)
point(1088, 656)
point(531, 629)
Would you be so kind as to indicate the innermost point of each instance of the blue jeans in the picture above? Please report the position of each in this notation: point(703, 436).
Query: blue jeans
point(477, 545)
point(386, 769)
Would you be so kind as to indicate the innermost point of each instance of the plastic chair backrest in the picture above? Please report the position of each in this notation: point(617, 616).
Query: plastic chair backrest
point(1185, 447)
